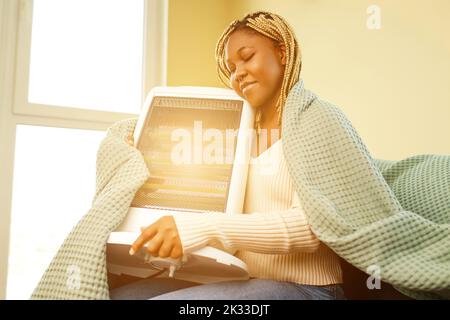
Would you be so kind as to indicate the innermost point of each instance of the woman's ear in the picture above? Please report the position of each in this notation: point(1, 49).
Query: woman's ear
point(282, 53)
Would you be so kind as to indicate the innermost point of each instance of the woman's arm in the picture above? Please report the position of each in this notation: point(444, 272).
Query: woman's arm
point(279, 232)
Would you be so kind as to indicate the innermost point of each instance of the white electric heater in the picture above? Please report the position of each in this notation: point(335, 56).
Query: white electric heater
point(197, 143)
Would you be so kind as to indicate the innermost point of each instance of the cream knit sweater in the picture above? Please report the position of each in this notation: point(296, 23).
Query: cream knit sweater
point(273, 237)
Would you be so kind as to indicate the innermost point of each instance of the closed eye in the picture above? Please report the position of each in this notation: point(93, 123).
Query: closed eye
point(232, 69)
point(251, 56)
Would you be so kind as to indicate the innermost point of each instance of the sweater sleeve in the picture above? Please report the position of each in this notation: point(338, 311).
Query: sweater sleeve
point(280, 232)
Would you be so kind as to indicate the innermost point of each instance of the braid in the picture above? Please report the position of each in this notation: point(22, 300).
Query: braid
point(276, 28)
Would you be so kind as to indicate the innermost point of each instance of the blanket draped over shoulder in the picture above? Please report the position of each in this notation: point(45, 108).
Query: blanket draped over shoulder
point(78, 270)
point(393, 215)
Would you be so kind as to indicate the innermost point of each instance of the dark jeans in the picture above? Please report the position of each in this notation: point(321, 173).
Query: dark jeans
point(253, 289)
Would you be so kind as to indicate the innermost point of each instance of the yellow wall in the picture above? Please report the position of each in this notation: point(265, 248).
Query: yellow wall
point(392, 83)
point(194, 28)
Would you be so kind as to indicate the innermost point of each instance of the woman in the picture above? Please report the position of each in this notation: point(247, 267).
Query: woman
point(260, 58)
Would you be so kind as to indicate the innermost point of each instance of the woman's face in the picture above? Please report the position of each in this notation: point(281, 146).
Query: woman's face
point(256, 66)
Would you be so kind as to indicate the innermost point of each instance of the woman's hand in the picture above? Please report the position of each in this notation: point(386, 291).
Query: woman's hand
point(130, 139)
point(162, 239)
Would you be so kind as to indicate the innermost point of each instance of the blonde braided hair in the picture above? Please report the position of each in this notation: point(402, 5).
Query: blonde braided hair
point(276, 28)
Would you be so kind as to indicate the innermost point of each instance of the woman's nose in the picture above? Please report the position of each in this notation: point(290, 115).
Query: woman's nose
point(240, 74)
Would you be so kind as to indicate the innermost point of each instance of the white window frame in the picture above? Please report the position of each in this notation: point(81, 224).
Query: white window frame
point(15, 44)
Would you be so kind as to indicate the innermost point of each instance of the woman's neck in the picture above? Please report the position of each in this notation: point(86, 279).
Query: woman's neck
point(270, 129)
point(270, 133)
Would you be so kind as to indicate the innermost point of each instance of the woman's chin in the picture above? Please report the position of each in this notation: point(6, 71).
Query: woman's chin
point(251, 98)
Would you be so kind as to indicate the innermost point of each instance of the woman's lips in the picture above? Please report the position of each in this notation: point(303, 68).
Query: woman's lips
point(248, 87)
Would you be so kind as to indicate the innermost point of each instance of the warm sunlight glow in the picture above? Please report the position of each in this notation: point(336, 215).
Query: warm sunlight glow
point(54, 184)
point(87, 54)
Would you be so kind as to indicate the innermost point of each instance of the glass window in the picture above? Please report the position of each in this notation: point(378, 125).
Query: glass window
point(54, 184)
point(87, 54)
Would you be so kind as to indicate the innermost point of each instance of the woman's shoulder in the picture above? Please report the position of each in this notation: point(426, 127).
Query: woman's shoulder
point(301, 101)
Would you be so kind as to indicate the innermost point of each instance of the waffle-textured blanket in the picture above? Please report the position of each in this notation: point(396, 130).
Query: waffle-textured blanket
point(78, 270)
point(390, 215)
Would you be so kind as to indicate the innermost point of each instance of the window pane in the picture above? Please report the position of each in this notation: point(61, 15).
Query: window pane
point(54, 184)
point(87, 54)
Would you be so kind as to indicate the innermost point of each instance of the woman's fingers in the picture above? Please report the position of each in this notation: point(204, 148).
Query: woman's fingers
point(162, 239)
point(176, 252)
point(130, 139)
point(146, 235)
point(154, 245)
point(165, 249)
